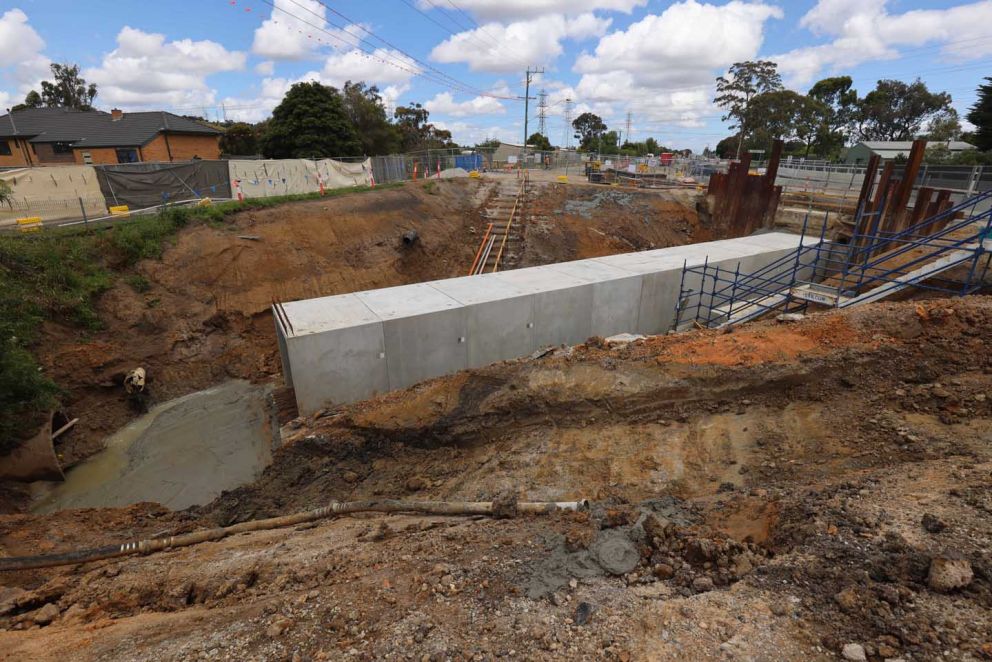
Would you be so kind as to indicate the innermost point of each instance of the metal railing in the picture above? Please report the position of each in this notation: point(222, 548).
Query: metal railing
point(873, 265)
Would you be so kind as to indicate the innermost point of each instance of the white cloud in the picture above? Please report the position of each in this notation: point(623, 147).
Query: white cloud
point(382, 67)
point(288, 34)
point(21, 60)
point(445, 104)
point(662, 67)
point(299, 30)
point(146, 70)
point(510, 9)
point(265, 68)
point(497, 47)
point(338, 69)
point(864, 30)
point(465, 133)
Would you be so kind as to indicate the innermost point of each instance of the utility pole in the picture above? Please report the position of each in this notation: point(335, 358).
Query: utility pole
point(542, 113)
point(530, 73)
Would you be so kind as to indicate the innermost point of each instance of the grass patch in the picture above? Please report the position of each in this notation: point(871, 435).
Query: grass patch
point(58, 275)
point(138, 283)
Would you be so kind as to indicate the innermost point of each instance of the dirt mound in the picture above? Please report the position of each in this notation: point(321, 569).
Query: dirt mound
point(780, 505)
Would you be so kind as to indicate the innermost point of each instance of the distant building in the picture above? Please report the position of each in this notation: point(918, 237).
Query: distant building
point(505, 151)
point(893, 149)
point(59, 136)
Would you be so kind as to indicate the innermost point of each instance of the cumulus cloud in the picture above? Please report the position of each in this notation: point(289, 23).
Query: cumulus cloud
point(288, 33)
point(22, 63)
point(265, 68)
point(662, 67)
point(147, 70)
point(864, 30)
point(510, 9)
point(489, 47)
point(445, 104)
point(383, 67)
point(465, 133)
point(299, 30)
point(338, 68)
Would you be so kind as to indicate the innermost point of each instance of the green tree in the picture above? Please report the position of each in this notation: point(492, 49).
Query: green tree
point(945, 127)
point(589, 128)
point(66, 90)
point(897, 111)
point(364, 106)
point(786, 115)
point(32, 100)
point(744, 81)
point(840, 104)
point(239, 139)
point(417, 133)
point(540, 142)
point(981, 116)
point(651, 146)
point(310, 122)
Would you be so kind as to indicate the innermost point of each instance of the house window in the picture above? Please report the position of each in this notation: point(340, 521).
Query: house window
point(87, 158)
point(62, 148)
point(127, 156)
point(4, 148)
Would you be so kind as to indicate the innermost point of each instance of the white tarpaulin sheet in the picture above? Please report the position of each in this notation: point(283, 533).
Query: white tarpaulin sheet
point(53, 193)
point(262, 179)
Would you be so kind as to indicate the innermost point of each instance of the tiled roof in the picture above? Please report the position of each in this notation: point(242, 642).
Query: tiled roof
point(94, 128)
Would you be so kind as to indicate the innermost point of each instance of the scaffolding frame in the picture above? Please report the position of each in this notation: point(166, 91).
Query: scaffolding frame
point(872, 265)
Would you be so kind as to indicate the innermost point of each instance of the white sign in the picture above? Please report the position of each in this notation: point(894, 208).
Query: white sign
point(511, 159)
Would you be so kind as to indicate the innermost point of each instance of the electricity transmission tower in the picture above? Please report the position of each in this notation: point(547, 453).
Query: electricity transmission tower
point(567, 138)
point(627, 130)
point(542, 113)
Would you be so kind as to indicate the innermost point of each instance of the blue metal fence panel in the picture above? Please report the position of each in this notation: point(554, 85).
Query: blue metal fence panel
point(468, 161)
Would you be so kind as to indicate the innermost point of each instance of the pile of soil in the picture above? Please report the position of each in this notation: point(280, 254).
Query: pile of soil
point(788, 491)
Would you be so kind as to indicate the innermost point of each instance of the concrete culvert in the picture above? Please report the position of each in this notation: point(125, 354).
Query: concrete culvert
point(410, 238)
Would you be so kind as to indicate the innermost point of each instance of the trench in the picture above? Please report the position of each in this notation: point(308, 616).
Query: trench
point(183, 452)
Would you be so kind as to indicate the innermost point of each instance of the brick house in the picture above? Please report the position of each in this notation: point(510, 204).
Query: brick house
point(60, 136)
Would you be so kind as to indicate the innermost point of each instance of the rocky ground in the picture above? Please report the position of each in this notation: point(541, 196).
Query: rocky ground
point(789, 491)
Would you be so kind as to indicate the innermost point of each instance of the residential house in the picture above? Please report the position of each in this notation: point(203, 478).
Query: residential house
point(59, 136)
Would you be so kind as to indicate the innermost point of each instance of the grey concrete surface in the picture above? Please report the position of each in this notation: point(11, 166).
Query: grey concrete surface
point(337, 351)
point(181, 453)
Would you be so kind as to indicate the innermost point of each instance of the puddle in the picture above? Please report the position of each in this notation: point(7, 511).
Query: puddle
point(181, 453)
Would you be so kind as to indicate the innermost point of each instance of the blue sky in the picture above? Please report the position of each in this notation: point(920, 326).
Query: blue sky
point(464, 59)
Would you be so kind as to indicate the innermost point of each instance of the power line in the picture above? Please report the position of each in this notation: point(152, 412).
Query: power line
point(454, 81)
point(443, 79)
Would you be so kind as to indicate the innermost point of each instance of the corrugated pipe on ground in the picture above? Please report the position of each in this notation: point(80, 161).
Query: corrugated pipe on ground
point(493, 508)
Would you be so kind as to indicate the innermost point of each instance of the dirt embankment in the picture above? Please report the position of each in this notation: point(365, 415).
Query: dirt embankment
point(584, 221)
point(202, 313)
point(788, 491)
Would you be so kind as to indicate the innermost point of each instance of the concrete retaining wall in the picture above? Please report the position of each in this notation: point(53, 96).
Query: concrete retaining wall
point(349, 347)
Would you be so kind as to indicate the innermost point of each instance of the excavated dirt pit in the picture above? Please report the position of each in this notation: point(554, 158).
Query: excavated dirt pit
point(780, 492)
point(204, 318)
